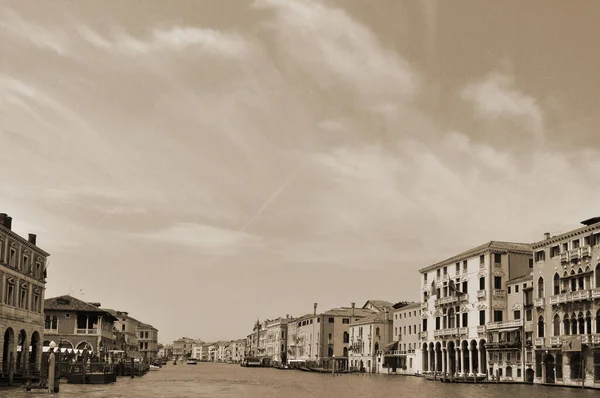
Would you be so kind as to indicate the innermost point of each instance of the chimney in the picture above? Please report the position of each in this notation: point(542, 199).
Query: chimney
point(353, 305)
point(315, 310)
point(2, 218)
point(32, 238)
point(8, 222)
point(547, 235)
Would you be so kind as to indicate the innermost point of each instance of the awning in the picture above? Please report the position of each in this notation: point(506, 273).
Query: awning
point(391, 346)
point(508, 330)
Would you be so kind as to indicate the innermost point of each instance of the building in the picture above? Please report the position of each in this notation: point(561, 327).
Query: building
point(182, 348)
point(403, 357)
point(566, 294)
point(256, 342)
point(75, 324)
point(323, 337)
point(369, 336)
point(509, 355)
point(238, 348)
point(23, 279)
point(460, 296)
point(127, 326)
point(276, 339)
point(148, 341)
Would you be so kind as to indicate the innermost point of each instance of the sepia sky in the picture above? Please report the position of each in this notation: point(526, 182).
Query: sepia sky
point(204, 163)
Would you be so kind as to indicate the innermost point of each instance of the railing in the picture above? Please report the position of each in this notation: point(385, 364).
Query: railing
point(424, 306)
point(586, 251)
point(538, 342)
point(463, 331)
point(498, 265)
point(422, 335)
point(596, 292)
point(446, 332)
point(87, 331)
point(564, 257)
point(596, 338)
point(504, 324)
point(554, 341)
point(574, 254)
point(499, 292)
point(481, 294)
point(50, 331)
point(539, 302)
point(586, 339)
point(395, 352)
point(481, 329)
point(578, 295)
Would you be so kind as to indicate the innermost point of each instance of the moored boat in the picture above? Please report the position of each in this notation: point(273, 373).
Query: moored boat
point(154, 367)
point(192, 361)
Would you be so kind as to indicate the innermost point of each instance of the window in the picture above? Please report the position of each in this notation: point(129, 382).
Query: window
point(424, 325)
point(556, 284)
point(530, 263)
point(377, 331)
point(331, 320)
point(482, 318)
point(123, 327)
point(497, 316)
point(425, 277)
point(465, 319)
point(540, 256)
point(437, 323)
point(517, 315)
point(10, 292)
point(497, 282)
point(12, 257)
point(554, 251)
point(528, 315)
point(464, 287)
point(36, 301)
point(482, 283)
point(445, 270)
point(457, 268)
point(25, 264)
point(509, 290)
point(396, 331)
point(482, 259)
point(346, 321)
point(498, 258)
point(516, 288)
point(438, 272)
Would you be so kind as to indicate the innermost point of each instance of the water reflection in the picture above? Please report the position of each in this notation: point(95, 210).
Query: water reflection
point(221, 380)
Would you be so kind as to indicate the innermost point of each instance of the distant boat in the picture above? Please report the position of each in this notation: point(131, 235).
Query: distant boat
point(154, 367)
point(192, 361)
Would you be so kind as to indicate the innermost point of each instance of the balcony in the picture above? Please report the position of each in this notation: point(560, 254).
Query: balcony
point(555, 341)
point(539, 302)
point(481, 294)
point(596, 293)
point(446, 332)
point(87, 331)
point(463, 331)
point(395, 353)
point(538, 342)
point(424, 306)
point(505, 324)
point(481, 329)
point(596, 339)
point(423, 335)
point(564, 257)
point(451, 300)
point(586, 251)
point(497, 265)
point(499, 293)
point(579, 295)
point(574, 254)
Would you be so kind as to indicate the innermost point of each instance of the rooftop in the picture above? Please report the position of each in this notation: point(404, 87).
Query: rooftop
point(589, 225)
point(492, 246)
point(69, 303)
point(377, 317)
point(379, 304)
point(524, 278)
point(408, 307)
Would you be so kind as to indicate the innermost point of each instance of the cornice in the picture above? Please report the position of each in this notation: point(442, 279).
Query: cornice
point(566, 235)
point(487, 250)
point(23, 241)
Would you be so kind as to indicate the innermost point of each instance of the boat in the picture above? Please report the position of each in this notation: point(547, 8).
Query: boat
point(441, 377)
point(154, 367)
point(192, 361)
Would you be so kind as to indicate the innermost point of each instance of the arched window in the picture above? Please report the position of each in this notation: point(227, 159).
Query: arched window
point(451, 318)
point(556, 284)
point(567, 325)
point(588, 322)
point(581, 323)
point(541, 287)
point(541, 325)
point(556, 325)
point(47, 322)
point(376, 347)
point(573, 324)
point(346, 337)
point(377, 331)
point(330, 337)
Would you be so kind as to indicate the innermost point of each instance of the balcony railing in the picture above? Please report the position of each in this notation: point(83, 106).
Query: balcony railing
point(446, 332)
point(499, 292)
point(463, 331)
point(424, 306)
point(452, 299)
point(539, 302)
point(498, 265)
point(539, 342)
point(504, 324)
point(596, 293)
point(422, 335)
point(564, 257)
point(87, 331)
point(481, 329)
point(481, 294)
point(579, 295)
point(586, 251)
point(574, 254)
point(596, 338)
point(555, 341)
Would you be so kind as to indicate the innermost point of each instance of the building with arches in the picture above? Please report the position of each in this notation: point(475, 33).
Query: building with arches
point(460, 297)
point(76, 324)
point(566, 294)
point(22, 289)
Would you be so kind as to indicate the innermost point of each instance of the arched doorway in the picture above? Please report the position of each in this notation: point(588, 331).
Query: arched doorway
point(431, 352)
point(438, 357)
point(22, 348)
point(34, 350)
point(475, 355)
point(424, 355)
point(549, 364)
point(452, 357)
point(465, 364)
point(8, 355)
point(483, 355)
point(529, 375)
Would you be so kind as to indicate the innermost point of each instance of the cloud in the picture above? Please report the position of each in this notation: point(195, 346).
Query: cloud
point(44, 38)
point(207, 239)
point(496, 97)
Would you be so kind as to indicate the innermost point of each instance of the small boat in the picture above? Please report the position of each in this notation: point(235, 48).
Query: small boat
point(154, 367)
point(192, 361)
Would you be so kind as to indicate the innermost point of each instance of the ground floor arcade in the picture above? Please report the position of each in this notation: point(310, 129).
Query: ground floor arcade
point(455, 357)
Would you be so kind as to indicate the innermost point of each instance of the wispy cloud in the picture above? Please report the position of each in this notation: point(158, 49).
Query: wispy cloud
point(496, 96)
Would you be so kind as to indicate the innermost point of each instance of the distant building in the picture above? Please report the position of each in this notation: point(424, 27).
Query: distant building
point(401, 356)
point(182, 348)
point(461, 295)
point(369, 336)
point(148, 341)
point(566, 294)
point(75, 324)
point(127, 326)
point(238, 350)
point(23, 284)
point(276, 339)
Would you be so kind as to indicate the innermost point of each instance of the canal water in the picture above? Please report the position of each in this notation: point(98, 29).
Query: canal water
point(226, 381)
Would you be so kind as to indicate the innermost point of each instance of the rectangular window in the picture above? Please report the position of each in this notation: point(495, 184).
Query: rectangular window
point(482, 283)
point(498, 258)
point(346, 320)
point(438, 272)
point(554, 251)
point(482, 259)
point(445, 270)
point(482, 318)
point(530, 263)
point(497, 316)
point(528, 315)
point(331, 320)
point(509, 290)
point(465, 319)
point(424, 325)
point(517, 315)
point(464, 287)
point(12, 257)
point(437, 323)
point(457, 268)
point(516, 288)
point(497, 282)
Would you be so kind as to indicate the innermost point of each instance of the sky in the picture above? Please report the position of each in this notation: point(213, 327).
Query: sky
point(202, 164)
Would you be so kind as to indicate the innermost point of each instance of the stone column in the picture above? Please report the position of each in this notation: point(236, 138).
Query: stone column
point(457, 355)
point(470, 360)
point(481, 361)
point(434, 359)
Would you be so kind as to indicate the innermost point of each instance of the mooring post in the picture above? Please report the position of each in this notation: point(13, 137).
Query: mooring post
point(51, 371)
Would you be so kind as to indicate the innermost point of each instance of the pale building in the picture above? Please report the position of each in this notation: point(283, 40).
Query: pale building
point(461, 295)
point(506, 344)
point(403, 357)
point(276, 339)
point(148, 341)
point(182, 348)
point(23, 285)
point(369, 336)
point(323, 337)
point(566, 294)
point(238, 348)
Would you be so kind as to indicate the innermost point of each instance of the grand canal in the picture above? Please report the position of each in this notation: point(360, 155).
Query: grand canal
point(226, 381)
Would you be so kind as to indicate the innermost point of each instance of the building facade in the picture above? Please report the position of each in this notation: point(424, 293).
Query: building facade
point(182, 348)
point(403, 357)
point(369, 336)
point(276, 339)
point(460, 296)
point(566, 290)
point(75, 324)
point(22, 288)
point(127, 326)
point(148, 341)
point(509, 355)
